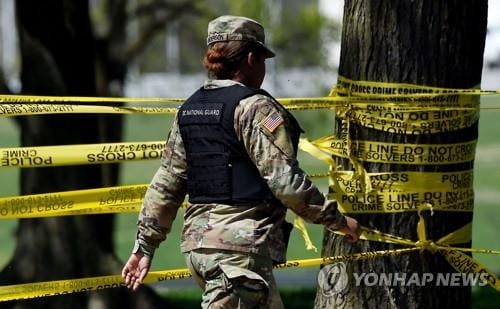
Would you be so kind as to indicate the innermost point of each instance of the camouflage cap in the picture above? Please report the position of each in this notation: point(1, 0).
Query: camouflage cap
point(237, 28)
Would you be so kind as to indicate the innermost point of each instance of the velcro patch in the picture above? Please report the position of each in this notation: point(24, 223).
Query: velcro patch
point(272, 122)
point(199, 113)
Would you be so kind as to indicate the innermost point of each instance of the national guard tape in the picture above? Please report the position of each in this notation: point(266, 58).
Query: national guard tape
point(394, 108)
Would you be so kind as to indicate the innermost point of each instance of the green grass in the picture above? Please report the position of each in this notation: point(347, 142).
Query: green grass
point(292, 298)
point(9, 186)
point(487, 187)
point(482, 298)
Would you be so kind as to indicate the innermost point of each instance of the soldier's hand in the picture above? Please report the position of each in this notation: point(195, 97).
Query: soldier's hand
point(136, 269)
point(352, 229)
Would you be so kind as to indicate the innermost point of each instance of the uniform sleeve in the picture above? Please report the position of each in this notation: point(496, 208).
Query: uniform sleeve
point(264, 131)
point(164, 195)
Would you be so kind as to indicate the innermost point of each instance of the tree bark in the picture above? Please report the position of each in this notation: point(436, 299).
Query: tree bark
point(58, 54)
point(424, 42)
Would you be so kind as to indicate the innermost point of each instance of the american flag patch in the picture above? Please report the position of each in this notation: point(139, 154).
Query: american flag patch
point(272, 122)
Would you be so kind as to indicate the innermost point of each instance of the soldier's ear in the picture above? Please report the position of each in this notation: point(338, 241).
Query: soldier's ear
point(252, 59)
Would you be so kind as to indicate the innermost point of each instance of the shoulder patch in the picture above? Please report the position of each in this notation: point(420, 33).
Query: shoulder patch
point(272, 122)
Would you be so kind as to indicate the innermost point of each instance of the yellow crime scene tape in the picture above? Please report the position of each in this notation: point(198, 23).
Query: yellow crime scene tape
point(396, 153)
point(454, 255)
point(404, 181)
point(444, 105)
point(26, 109)
point(394, 202)
point(117, 199)
point(23, 157)
point(446, 245)
point(369, 151)
point(393, 90)
point(341, 103)
point(403, 191)
point(405, 109)
point(424, 121)
point(76, 202)
point(17, 98)
point(397, 191)
point(434, 107)
point(10, 110)
point(393, 192)
point(62, 287)
point(363, 192)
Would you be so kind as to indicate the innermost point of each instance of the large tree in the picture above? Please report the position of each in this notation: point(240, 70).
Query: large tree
point(423, 42)
point(60, 55)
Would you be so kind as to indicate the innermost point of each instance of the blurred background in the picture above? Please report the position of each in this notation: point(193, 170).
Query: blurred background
point(158, 50)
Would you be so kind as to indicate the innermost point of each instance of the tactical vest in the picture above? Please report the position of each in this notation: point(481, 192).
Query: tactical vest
point(219, 168)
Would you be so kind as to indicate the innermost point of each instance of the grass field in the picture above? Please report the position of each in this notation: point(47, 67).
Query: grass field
point(483, 298)
point(316, 124)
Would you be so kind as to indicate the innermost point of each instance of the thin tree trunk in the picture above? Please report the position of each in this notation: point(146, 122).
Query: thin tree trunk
point(58, 58)
point(424, 42)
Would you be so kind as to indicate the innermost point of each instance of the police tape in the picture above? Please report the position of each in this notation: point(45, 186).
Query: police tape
point(459, 198)
point(395, 202)
point(395, 153)
point(445, 245)
point(423, 121)
point(381, 105)
point(426, 119)
point(117, 199)
point(17, 98)
point(404, 181)
point(394, 192)
point(331, 99)
point(77, 202)
point(300, 225)
point(454, 255)
point(345, 87)
point(369, 151)
point(10, 110)
point(351, 87)
point(120, 199)
point(63, 287)
point(396, 114)
point(43, 156)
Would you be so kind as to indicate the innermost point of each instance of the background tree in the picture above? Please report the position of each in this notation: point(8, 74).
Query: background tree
point(61, 56)
point(296, 30)
point(424, 42)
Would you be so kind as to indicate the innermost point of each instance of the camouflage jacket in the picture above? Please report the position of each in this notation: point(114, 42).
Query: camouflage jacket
point(257, 228)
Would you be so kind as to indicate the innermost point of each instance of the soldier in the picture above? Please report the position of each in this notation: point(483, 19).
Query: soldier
point(232, 149)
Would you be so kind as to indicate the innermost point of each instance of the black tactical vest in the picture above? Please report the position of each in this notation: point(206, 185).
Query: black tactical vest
point(219, 168)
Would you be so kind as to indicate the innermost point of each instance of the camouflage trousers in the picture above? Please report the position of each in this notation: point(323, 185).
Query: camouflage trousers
point(232, 279)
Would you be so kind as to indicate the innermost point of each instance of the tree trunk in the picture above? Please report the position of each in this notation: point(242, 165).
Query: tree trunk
point(424, 42)
point(58, 58)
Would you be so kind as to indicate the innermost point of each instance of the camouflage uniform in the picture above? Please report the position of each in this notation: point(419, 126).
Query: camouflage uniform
point(233, 279)
point(231, 249)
